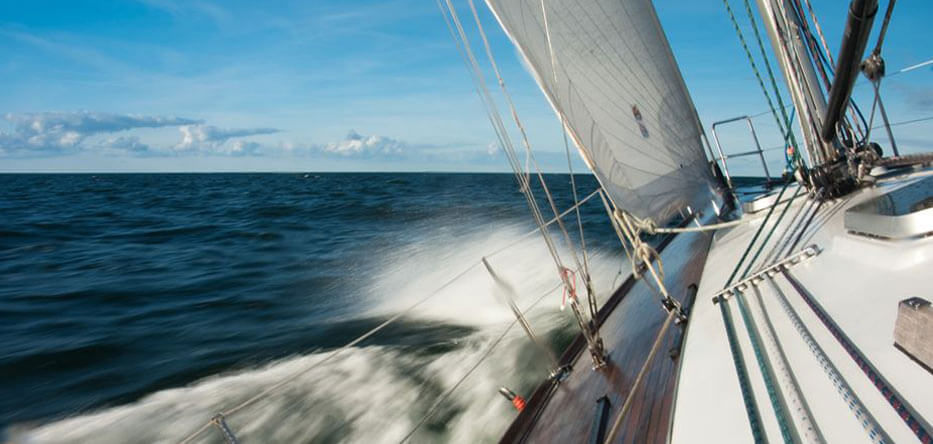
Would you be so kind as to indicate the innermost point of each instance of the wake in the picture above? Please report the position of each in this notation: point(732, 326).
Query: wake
point(379, 393)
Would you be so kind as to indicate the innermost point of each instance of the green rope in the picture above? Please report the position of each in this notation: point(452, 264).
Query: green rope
point(751, 61)
point(773, 229)
point(789, 135)
point(757, 233)
point(751, 410)
point(767, 373)
point(748, 396)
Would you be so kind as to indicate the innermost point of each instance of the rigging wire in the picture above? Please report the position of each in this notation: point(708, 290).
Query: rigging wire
point(789, 132)
point(331, 354)
point(738, 360)
point(586, 325)
point(495, 343)
point(591, 298)
point(799, 408)
point(521, 127)
point(824, 63)
point(873, 68)
point(777, 222)
point(189, 438)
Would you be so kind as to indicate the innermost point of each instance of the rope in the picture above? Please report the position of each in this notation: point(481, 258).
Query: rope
point(799, 408)
point(757, 233)
point(748, 396)
point(568, 275)
point(645, 252)
point(618, 230)
point(788, 135)
point(771, 232)
point(823, 55)
point(864, 417)
point(332, 354)
point(591, 335)
point(627, 404)
point(650, 227)
point(913, 421)
point(475, 365)
point(767, 373)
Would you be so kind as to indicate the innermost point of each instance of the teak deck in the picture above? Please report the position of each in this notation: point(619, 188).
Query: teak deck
point(566, 412)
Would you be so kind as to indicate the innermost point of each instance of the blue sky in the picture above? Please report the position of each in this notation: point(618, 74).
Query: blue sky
point(166, 85)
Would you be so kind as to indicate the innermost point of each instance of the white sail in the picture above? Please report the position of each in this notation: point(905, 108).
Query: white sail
point(607, 68)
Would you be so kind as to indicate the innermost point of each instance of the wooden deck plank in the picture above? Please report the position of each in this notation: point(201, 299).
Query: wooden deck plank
point(566, 412)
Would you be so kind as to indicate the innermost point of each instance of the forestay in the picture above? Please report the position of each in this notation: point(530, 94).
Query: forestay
point(608, 71)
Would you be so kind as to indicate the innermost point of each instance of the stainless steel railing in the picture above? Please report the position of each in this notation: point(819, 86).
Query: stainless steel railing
point(723, 157)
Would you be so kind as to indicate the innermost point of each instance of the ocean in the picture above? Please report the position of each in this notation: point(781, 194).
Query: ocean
point(137, 306)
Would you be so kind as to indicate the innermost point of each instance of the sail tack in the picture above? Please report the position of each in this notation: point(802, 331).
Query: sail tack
point(608, 71)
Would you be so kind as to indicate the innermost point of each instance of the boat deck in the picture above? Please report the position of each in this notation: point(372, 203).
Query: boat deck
point(567, 412)
point(814, 335)
point(824, 330)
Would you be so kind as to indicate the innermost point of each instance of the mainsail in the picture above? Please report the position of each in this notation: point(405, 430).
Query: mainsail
point(608, 71)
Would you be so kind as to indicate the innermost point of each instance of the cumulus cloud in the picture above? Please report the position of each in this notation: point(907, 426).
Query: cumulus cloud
point(54, 133)
point(211, 139)
point(57, 132)
point(124, 144)
point(357, 145)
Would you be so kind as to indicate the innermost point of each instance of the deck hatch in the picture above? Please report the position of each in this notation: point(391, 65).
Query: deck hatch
point(902, 213)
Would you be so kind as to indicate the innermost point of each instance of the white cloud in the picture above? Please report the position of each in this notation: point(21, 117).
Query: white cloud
point(357, 145)
point(211, 139)
point(57, 132)
point(124, 145)
point(493, 148)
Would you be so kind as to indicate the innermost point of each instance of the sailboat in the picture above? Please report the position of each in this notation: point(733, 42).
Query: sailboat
point(801, 314)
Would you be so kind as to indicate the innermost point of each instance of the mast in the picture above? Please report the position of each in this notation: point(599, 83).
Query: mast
point(784, 32)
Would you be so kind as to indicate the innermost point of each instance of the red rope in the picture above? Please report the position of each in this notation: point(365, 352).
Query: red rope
point(570, 277)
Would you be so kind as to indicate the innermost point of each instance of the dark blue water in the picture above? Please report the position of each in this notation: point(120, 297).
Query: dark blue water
point(116, 287)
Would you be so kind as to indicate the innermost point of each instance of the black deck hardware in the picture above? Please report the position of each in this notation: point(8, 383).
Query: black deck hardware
point(600, 421)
